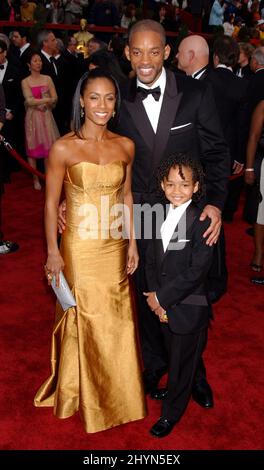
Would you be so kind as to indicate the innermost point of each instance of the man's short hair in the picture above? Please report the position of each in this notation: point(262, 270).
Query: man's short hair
point(147, 25)
point(227, 50)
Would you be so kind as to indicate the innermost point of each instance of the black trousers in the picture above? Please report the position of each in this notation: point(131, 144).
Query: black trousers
point(184, 355)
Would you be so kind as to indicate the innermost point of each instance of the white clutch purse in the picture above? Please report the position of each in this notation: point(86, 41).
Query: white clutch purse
point(63, 293)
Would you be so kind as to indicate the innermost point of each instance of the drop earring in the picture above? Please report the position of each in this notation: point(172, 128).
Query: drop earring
point(82, 112)
point(113, 114)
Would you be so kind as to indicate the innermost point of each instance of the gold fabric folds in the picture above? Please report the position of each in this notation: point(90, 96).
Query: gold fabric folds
point(95, 366)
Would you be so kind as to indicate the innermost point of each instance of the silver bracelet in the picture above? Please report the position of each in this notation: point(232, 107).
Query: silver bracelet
point(249, 169)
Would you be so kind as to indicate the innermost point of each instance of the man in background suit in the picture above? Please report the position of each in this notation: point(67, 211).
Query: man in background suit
point(13, 130)
point(47, 44)
point(230, 97)
point(6, 246)
point(179, 116)
point(21, 41)
point(230, 94)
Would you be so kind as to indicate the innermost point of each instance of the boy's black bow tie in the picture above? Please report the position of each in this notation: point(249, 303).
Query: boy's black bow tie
point(144, 92)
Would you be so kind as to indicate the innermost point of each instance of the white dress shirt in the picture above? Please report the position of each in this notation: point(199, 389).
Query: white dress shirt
point(48, 57)
point(198, 73)
point(171, 222)
point(24, 48)
point(151, 106)
point(223, 66)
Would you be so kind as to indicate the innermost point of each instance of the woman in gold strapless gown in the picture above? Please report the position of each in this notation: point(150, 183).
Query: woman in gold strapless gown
point(95, 366)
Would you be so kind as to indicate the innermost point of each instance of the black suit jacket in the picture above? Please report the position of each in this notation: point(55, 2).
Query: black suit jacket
point(179, 275)
point(255, 90)
point(230, 93)
point(187, 103)
point(12, 88)
point(24, 60)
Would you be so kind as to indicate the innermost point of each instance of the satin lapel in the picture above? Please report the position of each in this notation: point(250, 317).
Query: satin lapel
point(141, 120)
point(170, 105)
point(191, 214)
point(159, 244)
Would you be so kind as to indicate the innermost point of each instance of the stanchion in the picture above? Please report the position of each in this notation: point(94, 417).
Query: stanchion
point(18, 157)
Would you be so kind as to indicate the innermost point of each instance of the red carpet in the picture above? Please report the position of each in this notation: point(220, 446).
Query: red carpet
point(234, 355)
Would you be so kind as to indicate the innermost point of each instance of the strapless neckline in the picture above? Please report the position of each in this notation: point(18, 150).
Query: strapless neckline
point(96, 164)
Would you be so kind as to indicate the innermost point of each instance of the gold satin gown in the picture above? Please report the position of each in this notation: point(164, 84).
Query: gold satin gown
point(95, 366)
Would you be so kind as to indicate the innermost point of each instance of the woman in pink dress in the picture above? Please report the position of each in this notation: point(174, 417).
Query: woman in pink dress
point(40, 127)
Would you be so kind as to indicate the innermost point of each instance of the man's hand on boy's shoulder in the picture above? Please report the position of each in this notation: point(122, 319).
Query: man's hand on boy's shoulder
point(214, 228)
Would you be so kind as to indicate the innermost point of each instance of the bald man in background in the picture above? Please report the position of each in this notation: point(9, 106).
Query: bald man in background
point(193, 57)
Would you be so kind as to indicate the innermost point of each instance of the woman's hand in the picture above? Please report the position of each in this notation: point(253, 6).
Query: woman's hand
point(132, 258)
point(42, 107)
point(53, 266)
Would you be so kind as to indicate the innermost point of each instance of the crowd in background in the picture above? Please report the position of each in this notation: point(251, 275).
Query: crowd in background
point(232, 15)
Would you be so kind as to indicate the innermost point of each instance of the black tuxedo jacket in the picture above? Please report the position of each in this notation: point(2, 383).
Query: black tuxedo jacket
point(48, 69)
point(188, 122)
point(256, 90)
point(230, 93)
point(179, 275)
point(24, 60)
point(12, 88)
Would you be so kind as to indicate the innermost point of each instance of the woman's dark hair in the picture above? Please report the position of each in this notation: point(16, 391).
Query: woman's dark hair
point(181, 160)
point(31, 54)
point(77, 119)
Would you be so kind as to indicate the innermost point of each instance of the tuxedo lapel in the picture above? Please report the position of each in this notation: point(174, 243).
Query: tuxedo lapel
point(190, 214)
point(170, 105)
point(139, 116)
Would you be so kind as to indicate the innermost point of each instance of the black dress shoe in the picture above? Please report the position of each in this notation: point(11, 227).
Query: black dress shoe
point(202, 394)
point(258, 280)
point(162, 427)
point(159, 393)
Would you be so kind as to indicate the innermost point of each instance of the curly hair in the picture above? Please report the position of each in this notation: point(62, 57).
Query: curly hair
point(182, 160)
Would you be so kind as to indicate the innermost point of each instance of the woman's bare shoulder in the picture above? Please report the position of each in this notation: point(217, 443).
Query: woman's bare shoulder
point(65, 143)
point(46, 78)
point(126, 143)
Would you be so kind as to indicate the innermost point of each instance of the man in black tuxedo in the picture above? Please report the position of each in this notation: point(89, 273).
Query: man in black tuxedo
point(21, 41)
point(6, 246)
point(13, 129)
point(47, 44)
point(256, 88)
point(230, 97)
point(230, 94)
point(179, 116)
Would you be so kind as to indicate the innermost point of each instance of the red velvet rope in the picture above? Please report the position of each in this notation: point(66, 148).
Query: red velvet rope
point(21, 160)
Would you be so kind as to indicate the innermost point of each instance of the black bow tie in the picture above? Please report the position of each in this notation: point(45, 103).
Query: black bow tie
point(2, 67)
point(144, 92)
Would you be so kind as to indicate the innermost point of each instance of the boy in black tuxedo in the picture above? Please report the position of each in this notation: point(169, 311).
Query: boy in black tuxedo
point(178, 260)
